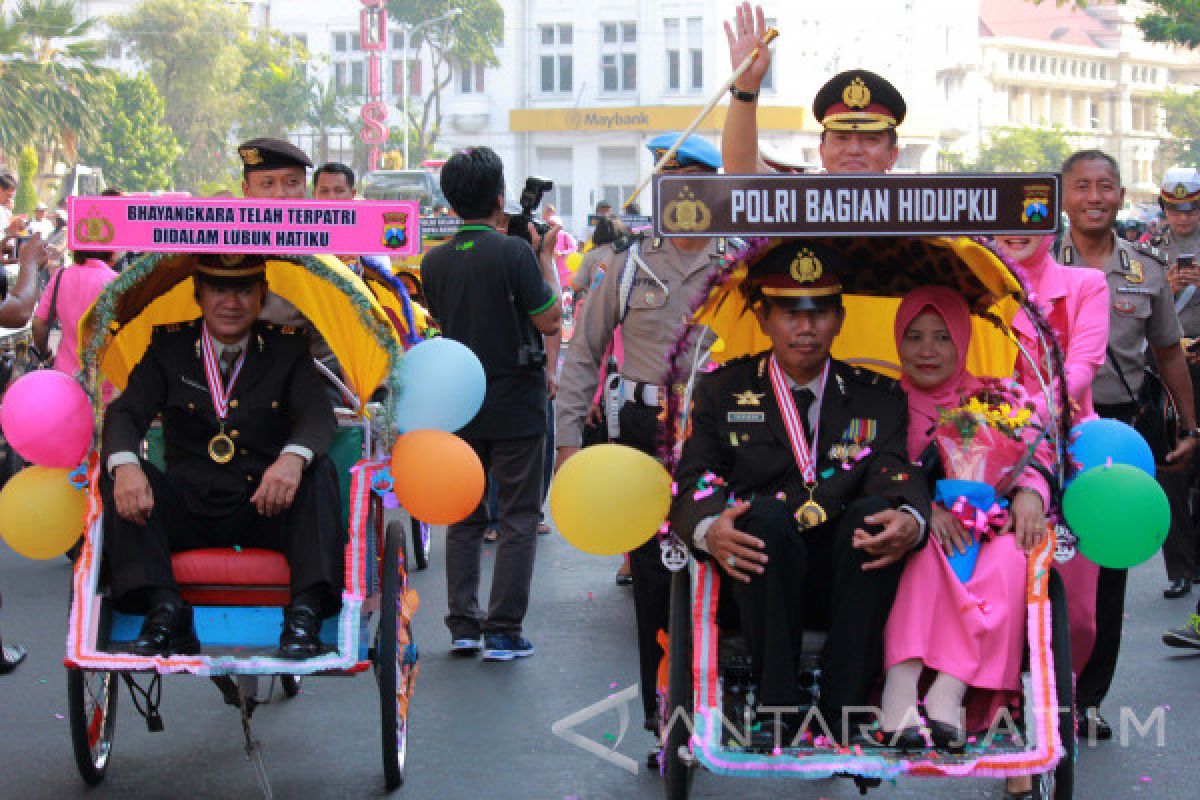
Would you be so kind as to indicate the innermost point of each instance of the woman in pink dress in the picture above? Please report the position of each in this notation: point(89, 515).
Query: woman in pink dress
point(969, 635)
point(1075, 303)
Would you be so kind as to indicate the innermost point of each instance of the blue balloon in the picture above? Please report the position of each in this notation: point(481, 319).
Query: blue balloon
point(1098, 441)
point(442, 385)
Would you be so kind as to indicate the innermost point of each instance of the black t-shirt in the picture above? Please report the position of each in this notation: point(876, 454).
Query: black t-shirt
point(481, 285)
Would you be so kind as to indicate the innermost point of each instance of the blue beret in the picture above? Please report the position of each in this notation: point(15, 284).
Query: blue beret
point(693, 151)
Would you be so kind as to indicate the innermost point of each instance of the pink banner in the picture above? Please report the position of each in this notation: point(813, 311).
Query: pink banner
point(220, 225)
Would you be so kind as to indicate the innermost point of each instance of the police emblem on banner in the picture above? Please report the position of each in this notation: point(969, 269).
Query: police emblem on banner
point(1036, 206)
point(686, 214)
point(395, 229)
point(94, 229)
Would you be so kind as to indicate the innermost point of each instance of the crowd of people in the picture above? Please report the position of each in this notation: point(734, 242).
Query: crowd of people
point(803, 537)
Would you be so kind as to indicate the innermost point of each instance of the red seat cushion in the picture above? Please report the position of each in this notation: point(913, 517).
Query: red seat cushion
point(224, 576)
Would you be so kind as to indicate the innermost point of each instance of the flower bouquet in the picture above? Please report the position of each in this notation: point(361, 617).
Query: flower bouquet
point(982, 443)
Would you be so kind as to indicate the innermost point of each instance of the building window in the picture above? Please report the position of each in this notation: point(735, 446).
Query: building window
point(671, 41)
point(114, 50)
point(349, 69)
point(557, 66)
point(555, 163)
point(618, 56)
point(695, 35)
point(470, 78)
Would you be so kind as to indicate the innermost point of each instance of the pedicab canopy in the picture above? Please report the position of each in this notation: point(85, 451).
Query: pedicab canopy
point(158, 290)
point(875, 272)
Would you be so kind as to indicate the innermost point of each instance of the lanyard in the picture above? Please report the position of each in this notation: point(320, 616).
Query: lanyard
point(801, 449)
point(212, 370)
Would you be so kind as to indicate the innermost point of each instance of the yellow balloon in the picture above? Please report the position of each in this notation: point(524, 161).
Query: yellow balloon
point(609, 499)
point(41, 513)
point(573, 262)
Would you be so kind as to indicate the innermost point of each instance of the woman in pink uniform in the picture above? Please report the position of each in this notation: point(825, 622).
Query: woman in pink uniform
point(968, 635)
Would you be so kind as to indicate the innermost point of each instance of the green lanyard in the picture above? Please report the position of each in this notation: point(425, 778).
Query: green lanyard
point(464, 228)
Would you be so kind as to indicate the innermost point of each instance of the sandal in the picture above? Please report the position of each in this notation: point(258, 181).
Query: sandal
point(11, 656)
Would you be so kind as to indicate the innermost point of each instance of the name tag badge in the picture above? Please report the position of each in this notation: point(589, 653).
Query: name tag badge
point(746, 416)
point(1124, 308)
point(188, 382)
point(1135, 290)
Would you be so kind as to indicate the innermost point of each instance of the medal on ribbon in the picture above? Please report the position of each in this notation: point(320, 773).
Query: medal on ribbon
point(810, 514)
point(675, 555)
point(220, 447)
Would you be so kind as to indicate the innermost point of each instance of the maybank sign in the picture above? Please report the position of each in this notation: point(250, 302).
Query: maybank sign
point(650, 118)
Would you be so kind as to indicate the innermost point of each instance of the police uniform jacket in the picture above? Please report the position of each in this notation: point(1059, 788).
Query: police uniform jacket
point(278, 400)
point(738, 435)
point(1172, 246)
point(1142, 309)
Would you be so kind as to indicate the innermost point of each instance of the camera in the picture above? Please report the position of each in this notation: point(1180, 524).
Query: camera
point(531, 355)
point(531, 197)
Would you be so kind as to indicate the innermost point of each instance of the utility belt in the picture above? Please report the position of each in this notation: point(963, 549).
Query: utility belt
point(618, 391)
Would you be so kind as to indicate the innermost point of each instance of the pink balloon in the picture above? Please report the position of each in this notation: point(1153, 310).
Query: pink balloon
point(47, 418)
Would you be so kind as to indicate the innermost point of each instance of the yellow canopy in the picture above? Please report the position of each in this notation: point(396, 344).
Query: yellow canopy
point(158, 290)
point(885, 269)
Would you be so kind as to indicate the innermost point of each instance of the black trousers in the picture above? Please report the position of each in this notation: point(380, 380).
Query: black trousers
point(815, 580)
point(310, 535)
point(651, 580)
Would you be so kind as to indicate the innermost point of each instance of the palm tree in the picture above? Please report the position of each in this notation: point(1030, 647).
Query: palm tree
point(330, 109)
point(48, 66)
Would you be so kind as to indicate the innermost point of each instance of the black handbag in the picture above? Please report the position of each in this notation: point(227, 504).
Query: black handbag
point(1157, 416)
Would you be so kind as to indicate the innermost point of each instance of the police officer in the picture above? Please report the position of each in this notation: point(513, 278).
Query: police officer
point(246, 431)
point(1179, 199)
point(275, 169)
point(1142, 319)
point(807, 537)
point(648, 291)
point(859, 111)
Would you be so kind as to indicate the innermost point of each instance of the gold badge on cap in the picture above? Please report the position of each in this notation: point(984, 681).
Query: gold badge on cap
point(231, 259)
point(1181, 191)
point(806, 267)
point(250, 156)
point(856, 94)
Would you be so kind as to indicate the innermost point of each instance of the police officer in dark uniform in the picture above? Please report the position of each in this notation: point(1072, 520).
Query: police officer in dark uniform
point(795, 481)
point(246, 430)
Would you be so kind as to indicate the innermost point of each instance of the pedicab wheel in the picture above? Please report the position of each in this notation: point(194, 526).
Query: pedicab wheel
point(677, 774)
point(290, 684)
point(1060, 785)
point(92, 704)
point(422, 542)
point(393, 724)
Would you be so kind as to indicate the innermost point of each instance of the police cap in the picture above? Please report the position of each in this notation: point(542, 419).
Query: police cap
point(692, 151)
point(859, 100)
point(1180, 190)
point(798, 274)
point(265, 153)
point(230, 270)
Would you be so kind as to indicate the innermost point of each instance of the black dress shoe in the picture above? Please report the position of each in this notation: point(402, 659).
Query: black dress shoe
point(1090, 722)
point(946, 737)
point(907, 739)
point(167, 630)
point(1180, 587)
point(11, 656)
point(301, 637)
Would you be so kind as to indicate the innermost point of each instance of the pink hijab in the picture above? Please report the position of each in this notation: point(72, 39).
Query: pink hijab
point(1039, 263)
point(923, 404)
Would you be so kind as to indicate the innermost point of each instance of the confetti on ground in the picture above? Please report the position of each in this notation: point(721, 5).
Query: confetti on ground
point(589, 595)
point(612, 685)
point(609, 737)
point(1145, 779)
point(59, 716)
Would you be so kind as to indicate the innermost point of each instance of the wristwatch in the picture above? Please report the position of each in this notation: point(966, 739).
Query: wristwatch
point(745, 97)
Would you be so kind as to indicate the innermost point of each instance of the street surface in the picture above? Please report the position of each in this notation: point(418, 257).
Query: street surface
point(483, 730)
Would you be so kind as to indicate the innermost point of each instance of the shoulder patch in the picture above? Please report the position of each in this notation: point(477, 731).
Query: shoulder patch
point(872, 378)
point(1152, 252)
point(174, 327)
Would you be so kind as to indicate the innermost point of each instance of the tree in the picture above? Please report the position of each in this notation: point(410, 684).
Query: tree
point(134, 147)
point(27, 167)
point(1183, 120)
point(1020, 150)
point(274, 85)
point(466, 39)
point(192, 52)
point(328, 109)
point(47, 70)
point(1171, 21)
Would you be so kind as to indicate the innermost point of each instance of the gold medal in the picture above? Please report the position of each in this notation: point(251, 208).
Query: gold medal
point(810, 515)
point(220, 448)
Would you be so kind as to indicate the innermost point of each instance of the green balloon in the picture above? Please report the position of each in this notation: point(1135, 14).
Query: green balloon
point(1120, 514)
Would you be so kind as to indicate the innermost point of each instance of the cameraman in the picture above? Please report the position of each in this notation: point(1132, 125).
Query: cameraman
point(489, 291)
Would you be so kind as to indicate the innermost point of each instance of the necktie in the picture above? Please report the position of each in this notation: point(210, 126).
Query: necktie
point(229, 357)
point(804, 400)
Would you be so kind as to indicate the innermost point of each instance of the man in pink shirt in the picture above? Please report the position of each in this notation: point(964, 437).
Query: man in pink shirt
point(66, 298)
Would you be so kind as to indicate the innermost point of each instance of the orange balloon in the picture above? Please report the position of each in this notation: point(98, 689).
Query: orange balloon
point(436, 476)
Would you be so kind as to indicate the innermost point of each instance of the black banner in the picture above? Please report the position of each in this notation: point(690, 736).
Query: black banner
point(856, 205)
point(439, 227)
